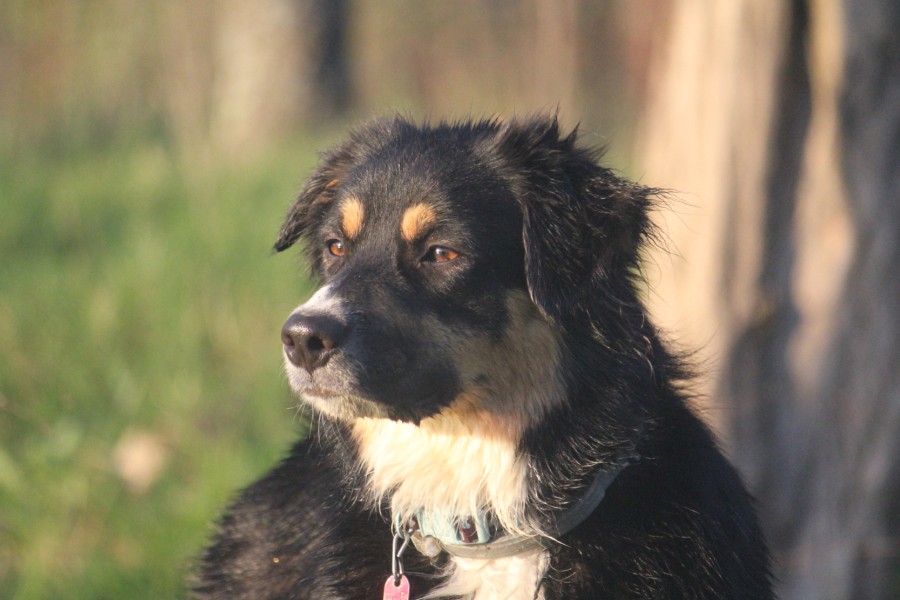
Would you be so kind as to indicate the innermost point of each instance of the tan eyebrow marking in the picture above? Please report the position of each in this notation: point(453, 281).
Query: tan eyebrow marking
point(352, 215)
point(416, 220)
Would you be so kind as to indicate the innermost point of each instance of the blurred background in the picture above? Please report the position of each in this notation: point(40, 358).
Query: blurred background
point(148, 151)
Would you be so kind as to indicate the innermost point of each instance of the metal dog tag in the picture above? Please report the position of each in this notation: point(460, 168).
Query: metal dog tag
point(396, 592)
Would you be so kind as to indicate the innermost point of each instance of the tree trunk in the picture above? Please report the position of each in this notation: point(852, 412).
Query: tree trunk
point(281, 64)
point(778, 124)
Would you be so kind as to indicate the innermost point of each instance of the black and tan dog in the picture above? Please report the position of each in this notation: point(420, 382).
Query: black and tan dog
point(487, 385)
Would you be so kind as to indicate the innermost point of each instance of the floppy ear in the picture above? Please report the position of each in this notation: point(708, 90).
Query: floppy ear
point(322, 187)
point(319, 191)
point(582, 225)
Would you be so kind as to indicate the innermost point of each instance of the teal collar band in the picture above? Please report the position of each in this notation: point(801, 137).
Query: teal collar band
point(479, 536)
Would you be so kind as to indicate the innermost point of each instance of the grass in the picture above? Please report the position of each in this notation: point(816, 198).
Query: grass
point(139, 313)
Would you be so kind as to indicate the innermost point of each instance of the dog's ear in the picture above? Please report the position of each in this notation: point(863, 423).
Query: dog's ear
point(582, 225)
point(319, 191)
point(322, 187)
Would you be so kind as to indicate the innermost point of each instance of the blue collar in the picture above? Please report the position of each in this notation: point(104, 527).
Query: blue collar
point(480, 536)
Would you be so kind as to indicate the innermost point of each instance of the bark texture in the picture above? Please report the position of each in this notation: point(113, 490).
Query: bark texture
point(778, 124)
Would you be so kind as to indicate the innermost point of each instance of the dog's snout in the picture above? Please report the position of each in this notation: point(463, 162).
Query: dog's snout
point(310, 340)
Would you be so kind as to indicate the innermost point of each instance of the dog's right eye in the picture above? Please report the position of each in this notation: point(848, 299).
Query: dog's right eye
point(335, 247)
point(440, 254)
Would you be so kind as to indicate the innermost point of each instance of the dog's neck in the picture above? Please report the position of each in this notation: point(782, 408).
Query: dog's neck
point(462, 467)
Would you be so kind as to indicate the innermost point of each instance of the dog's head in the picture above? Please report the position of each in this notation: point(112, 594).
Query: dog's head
point(453, 261)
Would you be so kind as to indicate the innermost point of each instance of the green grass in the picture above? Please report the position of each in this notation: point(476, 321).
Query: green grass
point(138, 296)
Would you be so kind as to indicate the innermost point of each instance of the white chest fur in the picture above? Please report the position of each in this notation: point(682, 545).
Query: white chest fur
point(510, 578)
point(445, 464)
point(451, 464)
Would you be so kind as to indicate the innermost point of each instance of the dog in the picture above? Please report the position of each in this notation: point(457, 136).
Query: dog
point(493, 413)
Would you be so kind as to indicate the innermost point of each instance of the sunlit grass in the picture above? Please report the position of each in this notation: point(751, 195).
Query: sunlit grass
point(139, 313)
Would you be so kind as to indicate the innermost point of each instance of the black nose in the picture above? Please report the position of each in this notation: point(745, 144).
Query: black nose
point(310, 340)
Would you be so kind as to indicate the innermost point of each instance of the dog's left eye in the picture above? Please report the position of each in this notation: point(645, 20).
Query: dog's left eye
point(440, 254)
point(336, 248)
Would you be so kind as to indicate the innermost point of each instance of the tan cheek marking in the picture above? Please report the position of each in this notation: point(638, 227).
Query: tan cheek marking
point(468, 414)
point(416, 220)
point(352, 215)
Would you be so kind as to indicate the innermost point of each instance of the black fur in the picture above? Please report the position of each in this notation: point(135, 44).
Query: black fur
point(534, 212)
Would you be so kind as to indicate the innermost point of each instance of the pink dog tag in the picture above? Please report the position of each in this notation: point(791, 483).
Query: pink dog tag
point(396, 592)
